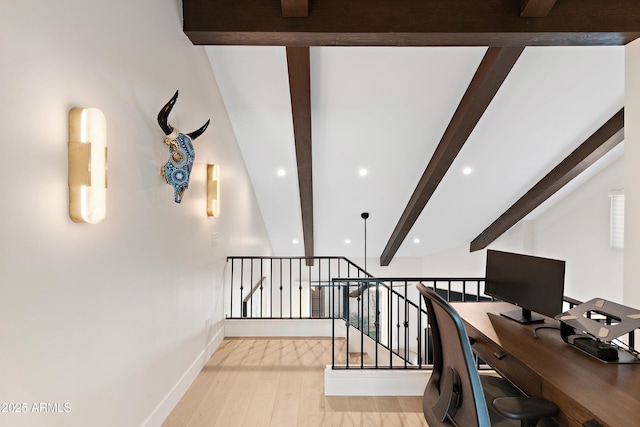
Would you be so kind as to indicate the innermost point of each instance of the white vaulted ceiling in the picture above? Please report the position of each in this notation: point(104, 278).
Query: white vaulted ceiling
point(385, 109)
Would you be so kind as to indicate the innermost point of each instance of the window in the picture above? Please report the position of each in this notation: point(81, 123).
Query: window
point(616, 226)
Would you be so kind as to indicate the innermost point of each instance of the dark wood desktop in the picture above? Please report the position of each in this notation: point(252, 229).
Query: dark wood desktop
point(583, 387)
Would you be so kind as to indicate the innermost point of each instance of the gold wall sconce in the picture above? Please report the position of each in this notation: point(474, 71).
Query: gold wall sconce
point(213, 190)
point(87, 165)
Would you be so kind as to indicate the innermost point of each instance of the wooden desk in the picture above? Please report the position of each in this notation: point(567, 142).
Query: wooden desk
point(584, 388)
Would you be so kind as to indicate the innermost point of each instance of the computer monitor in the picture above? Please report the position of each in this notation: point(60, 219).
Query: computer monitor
point(535, 284)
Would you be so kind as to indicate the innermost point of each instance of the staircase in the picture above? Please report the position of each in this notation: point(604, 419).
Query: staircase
point(378, 326)
point(355, 357)
point(383, 318)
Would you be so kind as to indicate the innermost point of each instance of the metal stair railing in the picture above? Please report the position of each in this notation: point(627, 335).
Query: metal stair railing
point(385, 315)
point(284, 287)
point(383, 310)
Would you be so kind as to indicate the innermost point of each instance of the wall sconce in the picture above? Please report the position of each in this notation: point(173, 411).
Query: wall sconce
point(87, 165)
point(213, 190)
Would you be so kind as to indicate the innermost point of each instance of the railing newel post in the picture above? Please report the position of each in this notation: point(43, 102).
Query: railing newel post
point(328, 290)
point(347, 325)
point(250, 287)
point(333, 328)
point(243, 310)
point(300, 290)
point(280, 287)
point(271, 287)
point(419, 337)
point(390, 326)
point(231, 291)
point(464, 291)
point(261, 287)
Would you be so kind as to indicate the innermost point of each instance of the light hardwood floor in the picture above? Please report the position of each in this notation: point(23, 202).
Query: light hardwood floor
point(279, 382)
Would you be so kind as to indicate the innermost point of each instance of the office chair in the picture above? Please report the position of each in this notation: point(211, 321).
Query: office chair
point(455, 394)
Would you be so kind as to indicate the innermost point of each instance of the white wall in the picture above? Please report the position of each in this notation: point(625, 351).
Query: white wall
point(399, 266)
point(577, 230)
point(108, 318)
point(457, 262)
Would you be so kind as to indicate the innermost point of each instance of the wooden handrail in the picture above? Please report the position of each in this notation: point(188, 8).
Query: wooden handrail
point(255, 288)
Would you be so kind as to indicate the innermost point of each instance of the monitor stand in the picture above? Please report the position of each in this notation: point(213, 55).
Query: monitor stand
point(523, 316)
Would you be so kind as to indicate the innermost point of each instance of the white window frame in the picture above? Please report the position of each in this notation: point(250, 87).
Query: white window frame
point(616, 220)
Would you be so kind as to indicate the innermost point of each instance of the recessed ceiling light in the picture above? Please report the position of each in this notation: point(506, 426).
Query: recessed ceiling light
point(467, 170)
point(363, 172)
point(281, 172)
point(416, 240)
point(295, 241)
point(347, 241)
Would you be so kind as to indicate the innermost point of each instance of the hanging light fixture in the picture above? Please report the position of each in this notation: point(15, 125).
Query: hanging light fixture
point(365, 215)
point(356, 293)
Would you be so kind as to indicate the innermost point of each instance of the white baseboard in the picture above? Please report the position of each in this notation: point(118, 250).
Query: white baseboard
point(164, 408)
point(375, 382)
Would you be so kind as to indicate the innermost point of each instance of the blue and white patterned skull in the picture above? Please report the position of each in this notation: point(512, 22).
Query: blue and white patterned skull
point(177, 170)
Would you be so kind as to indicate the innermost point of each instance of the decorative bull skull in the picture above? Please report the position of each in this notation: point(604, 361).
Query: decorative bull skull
point(177, 170)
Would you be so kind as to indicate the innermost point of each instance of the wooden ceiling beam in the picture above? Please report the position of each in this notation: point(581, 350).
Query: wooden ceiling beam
point(596, 146)
point(535, 8)
point(294, 8)
point(410, 23)
point(300, 89)
point(493, 70)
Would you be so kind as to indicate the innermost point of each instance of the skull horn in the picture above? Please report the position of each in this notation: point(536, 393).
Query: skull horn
point(196, 133)
point(163, 115)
